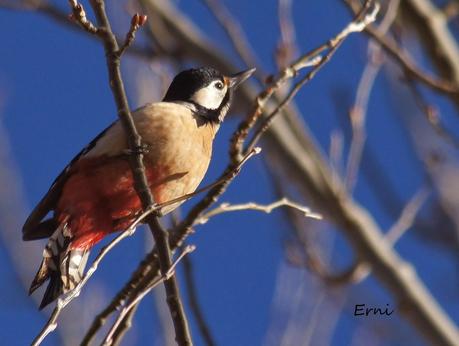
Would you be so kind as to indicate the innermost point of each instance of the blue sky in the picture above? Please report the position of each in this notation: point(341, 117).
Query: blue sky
point(54, 97)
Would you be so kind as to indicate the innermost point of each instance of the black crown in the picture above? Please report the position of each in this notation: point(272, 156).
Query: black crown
point(187, 82)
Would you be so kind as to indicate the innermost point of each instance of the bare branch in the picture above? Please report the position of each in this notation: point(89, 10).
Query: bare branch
point(79, 16)
point(432, 115)
point(432, 25)
point(194, 303)
point(360, 270)
point(136, 22)
point(108, 339)
point(311, 260)
point(54, 13)
point(356, 25)
point(406, 62)
point(357, 114)
point(124, 326)
point(284, 202)
point(286, 49)
point(407, 216)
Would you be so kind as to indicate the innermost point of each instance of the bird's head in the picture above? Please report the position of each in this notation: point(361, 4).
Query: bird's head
point(206, 90)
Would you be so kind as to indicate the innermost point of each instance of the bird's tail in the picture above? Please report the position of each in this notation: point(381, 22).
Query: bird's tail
point(61, 264)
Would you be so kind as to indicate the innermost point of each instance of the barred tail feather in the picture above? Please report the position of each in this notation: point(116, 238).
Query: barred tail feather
point(62, 265)
point(41, 276)
point(53, 290)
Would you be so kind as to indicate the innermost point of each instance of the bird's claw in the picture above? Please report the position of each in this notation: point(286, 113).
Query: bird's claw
point(139, 150)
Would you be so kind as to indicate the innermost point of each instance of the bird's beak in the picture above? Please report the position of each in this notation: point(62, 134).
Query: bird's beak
point(236, 79)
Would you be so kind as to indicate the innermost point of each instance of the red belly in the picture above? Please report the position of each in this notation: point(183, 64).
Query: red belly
point(99, 198)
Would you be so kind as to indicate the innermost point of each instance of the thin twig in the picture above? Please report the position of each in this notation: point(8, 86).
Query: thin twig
point(124, 326)
point(359, 270)
point(171, 271)
point(194, 302)
point(432, 115)
point(286, 48)
point(43, 7)
point(356, 25)
point(310, 258)
point(434, 32)
point(136, 22)
point(268, 208)
point(79, 16)
point(358, 112)
point(147, 265)
point(357, 116)
point(405, 61)
point(407, 216)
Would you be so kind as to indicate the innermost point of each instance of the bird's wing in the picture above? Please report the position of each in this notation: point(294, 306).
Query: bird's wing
point(109, 142)
point(35, 227)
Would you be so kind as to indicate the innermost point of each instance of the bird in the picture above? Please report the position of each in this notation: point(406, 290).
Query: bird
point(94, 195)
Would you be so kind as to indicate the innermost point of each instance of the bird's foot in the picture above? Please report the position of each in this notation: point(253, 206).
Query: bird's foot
point(139, 150)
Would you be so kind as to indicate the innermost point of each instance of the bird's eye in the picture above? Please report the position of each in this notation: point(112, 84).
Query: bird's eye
point(219, 85)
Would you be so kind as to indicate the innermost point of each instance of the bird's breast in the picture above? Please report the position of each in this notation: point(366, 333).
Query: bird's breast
point(179, 146)
point(179, 149)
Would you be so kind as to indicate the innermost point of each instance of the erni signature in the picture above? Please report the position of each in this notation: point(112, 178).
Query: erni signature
point(363, 310)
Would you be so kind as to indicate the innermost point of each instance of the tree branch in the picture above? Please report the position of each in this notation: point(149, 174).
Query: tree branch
point(128, 308)
point(432, 25)
point(43, 7)
point(194, 302)
point(406, 62)
point(124, 326)
point(358, 112)
point(112, 52)
point(268, 208)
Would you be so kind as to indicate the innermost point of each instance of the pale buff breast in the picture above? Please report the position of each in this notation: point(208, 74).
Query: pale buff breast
point(180, 148)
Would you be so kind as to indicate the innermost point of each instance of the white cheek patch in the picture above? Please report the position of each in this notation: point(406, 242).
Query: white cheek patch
point(209, 97)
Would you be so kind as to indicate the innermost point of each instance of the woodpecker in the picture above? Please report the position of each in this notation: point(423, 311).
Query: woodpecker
point(95, 196)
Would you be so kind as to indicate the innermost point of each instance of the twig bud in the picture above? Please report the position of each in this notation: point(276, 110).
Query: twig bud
point(143, 19)
point(138, 19)
point(135, 19)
